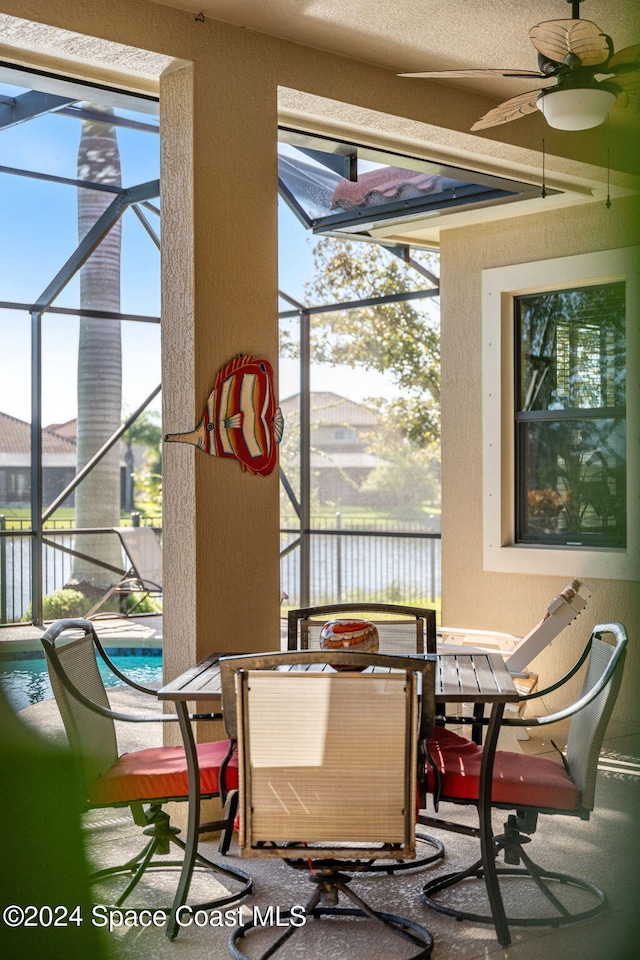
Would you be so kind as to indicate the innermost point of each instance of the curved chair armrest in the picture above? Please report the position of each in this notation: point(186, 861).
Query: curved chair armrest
point(596, 690)
point(52, 633)
point(48, 639)
point(558, 683)
point(525, 697)
point(222, 773)
point(140, 583)
point(114, 714)
point(121, 676)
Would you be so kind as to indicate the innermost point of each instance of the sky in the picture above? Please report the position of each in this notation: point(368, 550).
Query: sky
point(38, 232)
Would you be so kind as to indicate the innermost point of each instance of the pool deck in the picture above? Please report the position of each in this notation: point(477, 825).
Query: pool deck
point(605, 850)
point(145, 631)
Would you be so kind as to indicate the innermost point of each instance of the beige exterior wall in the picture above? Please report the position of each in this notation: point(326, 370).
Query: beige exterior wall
point(219, 100)
point(500, 601)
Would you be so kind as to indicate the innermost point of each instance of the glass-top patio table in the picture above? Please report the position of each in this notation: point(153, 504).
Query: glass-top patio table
point(460, 678)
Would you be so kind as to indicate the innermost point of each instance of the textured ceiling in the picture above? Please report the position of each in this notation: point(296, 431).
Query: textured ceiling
point(412, 35)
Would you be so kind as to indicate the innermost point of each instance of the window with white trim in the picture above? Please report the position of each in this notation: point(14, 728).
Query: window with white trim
point(561, 416)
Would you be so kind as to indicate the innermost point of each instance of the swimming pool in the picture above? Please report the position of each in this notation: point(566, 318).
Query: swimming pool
point(26, 681)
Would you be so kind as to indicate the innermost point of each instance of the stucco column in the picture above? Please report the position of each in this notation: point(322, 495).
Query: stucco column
point(219, 267)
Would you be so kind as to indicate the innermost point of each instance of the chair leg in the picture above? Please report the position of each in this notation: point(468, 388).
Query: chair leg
point(323, 903)
point(162, 836)
point(230, 811)
point(137, 877)
point(398, 866)
point(511, 842)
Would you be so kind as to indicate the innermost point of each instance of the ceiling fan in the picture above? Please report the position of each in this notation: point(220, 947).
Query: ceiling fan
point(588, 77)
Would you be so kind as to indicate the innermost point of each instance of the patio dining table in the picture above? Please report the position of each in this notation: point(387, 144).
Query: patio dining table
point(479, 678)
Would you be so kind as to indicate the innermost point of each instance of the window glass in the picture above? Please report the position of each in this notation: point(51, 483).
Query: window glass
point(334, 186)
point(570, 422)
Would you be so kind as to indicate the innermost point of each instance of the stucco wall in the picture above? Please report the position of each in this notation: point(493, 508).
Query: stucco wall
point(471, 596)
point(219, 102)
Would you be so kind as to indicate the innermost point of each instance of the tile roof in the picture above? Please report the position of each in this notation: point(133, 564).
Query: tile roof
point(331, 408)
point(68, 429)
point(385, 186)
point(15, 437)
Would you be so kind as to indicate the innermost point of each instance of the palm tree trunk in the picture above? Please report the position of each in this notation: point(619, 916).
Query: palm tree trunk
point(99, 357)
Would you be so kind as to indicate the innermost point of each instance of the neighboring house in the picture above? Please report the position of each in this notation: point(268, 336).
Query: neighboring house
point(58, 462)
point(341, 432)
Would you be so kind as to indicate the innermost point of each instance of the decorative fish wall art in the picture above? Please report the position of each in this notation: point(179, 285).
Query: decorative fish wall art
point(241, 419)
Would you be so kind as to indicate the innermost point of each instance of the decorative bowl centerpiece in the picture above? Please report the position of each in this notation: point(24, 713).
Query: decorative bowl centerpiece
point(354, 636)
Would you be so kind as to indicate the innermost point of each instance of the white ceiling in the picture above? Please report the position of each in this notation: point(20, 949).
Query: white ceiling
point(412, 35)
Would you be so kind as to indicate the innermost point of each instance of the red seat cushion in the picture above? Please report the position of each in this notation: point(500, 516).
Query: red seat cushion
point(162, 772)
point(519, 779)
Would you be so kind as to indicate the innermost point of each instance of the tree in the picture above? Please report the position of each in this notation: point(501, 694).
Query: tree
point(409, 482)
point(400, 339)
point(145, 432)
point(99, 356)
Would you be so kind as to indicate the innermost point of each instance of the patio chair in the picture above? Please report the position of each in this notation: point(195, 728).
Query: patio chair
point(402, 629)
point(405, 630)
point(152, 776)
point(534, 785)
point(144, 573)
point(330, 767)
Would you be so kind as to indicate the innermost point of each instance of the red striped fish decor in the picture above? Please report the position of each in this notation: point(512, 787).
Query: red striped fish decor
point(241, 419)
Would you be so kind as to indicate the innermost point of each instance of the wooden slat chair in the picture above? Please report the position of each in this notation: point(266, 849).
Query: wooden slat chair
point(150, 777)
point(534, 785)
point(331, 766)
point(520, 651)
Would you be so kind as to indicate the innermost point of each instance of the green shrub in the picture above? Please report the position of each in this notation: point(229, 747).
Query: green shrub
point(72, 603)
point(60, 605)
point(148, 605)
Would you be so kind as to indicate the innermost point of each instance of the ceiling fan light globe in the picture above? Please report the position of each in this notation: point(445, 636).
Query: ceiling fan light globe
point(577, 108)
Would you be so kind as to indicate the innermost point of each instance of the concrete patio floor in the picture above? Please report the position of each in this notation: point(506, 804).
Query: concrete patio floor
point(604, 850)
point(141, 631)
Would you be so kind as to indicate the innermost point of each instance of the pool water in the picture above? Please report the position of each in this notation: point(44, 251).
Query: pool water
point(26, 681)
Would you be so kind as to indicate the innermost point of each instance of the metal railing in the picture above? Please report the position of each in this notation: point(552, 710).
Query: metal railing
point(58, 549)
point(377, 563)
point(363, 565)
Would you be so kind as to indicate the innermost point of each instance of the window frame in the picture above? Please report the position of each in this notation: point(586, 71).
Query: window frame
point(500, 287)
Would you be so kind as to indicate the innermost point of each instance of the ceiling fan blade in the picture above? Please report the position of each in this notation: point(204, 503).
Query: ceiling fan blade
point(625, 57)
point(477, 72)
point(511, 109)
point(626, 102)
point(627, 82)
point(554, 39)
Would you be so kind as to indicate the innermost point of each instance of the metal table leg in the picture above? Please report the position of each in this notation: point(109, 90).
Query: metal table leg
point(486, 829)
point(193, 824)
